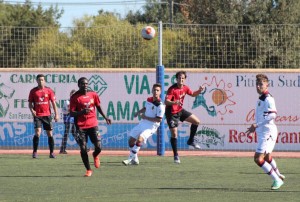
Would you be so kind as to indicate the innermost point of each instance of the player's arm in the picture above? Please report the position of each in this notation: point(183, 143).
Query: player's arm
point(169, 100)
point(30, 106)
point(141, 111)
point(155, 119)
point(99, 108)
point(270, 112)
point(197, 92)
point(56, 117)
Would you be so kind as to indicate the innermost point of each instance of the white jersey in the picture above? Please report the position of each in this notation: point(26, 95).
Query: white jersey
point(147, 128)
point(154, 109)
point(265, 114)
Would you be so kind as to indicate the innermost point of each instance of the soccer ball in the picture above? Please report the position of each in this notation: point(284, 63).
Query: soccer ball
point(148, 33)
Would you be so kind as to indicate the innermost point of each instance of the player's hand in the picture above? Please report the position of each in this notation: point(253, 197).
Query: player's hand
point(56, 118)
point(177, 102)
point(201, 88)
point(33, 113)
point(86, 110)
point(108, 121)
point(136, 114)
point(251, 129)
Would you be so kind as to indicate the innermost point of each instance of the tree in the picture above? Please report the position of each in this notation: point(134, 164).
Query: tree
point(16, 40)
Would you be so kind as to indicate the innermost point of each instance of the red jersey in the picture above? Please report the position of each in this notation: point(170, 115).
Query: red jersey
point(79, 102)
point(174, 93)
point(41, 97)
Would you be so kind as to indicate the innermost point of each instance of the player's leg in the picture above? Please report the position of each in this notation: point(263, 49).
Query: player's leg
point(36, 138)
point(47, 124)
point(273, 163)
point(193, 119)
point(172, 120)
point(65, 138)
point(271, 142)
point(93, 134)
point(133, 135)
point(259, 158)
point(73, 132)
point(82, 139)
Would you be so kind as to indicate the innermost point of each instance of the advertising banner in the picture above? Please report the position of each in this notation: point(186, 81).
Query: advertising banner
point(226, 108)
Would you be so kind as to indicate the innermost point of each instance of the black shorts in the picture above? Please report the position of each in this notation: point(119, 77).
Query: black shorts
point(45, 121)
point(84, 134)
point(173, 119)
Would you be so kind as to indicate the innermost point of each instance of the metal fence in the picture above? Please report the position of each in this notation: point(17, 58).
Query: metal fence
point(184, 46)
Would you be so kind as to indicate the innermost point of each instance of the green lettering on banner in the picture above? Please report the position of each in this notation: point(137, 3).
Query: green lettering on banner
point(135, 79)
point(111, 110)
point(135, 109)
point(129, 87)
point(124, 113)
point(27, 78)
point(20, 103)
point(145, 85)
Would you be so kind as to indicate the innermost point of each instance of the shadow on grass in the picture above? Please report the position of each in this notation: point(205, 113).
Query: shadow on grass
point(42, 176)
point(220, 189)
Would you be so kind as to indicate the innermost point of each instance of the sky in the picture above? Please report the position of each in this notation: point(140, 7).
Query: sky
point(79, 8)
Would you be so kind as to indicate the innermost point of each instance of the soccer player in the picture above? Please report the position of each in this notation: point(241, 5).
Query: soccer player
point(69, 124)
point(266, 131)
point(152, 114)
point(39, 101)
point(175, 112)
point(83, 105)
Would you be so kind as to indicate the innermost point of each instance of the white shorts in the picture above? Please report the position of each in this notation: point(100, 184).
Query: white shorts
point(266, 144)
point(144, 130)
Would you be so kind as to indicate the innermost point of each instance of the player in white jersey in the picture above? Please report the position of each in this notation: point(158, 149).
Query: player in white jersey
point(266, 131)
point(152, 114)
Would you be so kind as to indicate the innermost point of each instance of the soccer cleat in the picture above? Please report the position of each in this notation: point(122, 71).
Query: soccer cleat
point(282, 177)
point(34, 155)
point(126, 162)
point(52, 156)
point(88, 173)
point(63, 152)
point(176, 159)
point(96, 162)
point(277, 184)
point(131, 162)
point(193, 144)
point(135, 162)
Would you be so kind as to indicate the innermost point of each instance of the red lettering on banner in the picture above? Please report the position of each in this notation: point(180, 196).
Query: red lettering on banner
point(241, 137)
point(284, 137)
point(250, 117)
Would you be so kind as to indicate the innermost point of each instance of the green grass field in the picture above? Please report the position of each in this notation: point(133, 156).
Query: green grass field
point(155, 179)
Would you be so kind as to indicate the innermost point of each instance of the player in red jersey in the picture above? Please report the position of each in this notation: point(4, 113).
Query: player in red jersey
point(39, 101)
point(175, 112)
point(83, 105)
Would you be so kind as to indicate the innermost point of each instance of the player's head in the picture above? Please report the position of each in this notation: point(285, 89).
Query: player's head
point(83, 84)
point(180, 77)
point(40, 79)
point(262, 83)
point(156, 90)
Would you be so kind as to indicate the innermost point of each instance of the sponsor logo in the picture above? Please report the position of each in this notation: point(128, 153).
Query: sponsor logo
point(6, 93)
point(216, 98)
point(209, 136)
point(97, 84)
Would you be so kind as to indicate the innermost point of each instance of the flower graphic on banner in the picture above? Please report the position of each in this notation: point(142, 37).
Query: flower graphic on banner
point(216, 97)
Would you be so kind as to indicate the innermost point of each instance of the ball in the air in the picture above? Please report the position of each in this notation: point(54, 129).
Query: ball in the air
point(148, 32)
